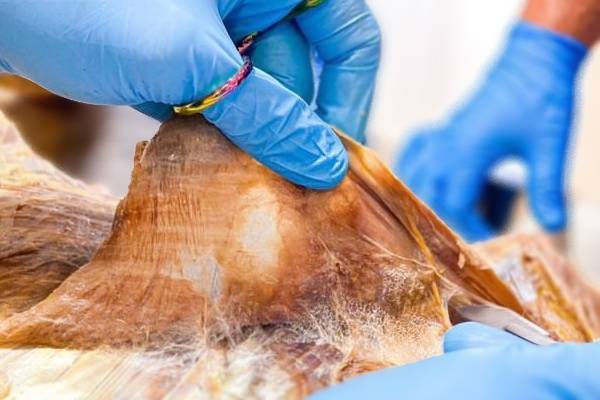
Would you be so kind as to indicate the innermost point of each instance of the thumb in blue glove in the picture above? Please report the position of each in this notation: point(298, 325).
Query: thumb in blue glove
point(524, 109)
point(483, 363)
point(112, 54)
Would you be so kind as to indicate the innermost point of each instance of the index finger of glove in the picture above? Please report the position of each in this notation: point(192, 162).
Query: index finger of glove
point(279, 129)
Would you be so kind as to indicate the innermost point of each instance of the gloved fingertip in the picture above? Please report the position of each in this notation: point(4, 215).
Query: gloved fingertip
point(158, 111)
point(322, 162)
point(549, 210)
point(341, 164)
point(329, 173)
point(3, 69)
point(472, 335)
point(279, 130)
point(553, 219)
point(547, 196)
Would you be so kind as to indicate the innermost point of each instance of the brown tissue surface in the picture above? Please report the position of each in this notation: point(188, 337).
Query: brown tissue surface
point(50, 224)
point(220, 279)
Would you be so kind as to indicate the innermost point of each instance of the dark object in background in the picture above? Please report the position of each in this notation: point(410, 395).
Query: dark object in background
point(60, 130)
point(497, 204)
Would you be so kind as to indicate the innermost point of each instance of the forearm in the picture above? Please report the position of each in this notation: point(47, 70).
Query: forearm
point(576, 18)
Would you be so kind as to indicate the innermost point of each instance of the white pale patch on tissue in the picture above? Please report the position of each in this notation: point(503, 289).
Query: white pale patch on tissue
point(259, 235)
point(511, 270)
point(204, 273)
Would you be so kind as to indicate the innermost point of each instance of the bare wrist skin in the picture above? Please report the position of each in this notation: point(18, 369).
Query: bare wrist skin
point(579, 19)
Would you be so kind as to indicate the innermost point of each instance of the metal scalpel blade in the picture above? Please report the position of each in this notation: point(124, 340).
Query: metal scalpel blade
point(507, 320)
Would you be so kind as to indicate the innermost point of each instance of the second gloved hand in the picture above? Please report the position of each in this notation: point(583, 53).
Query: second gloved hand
point(484, 363)
point(523, 109)
point(154, 54)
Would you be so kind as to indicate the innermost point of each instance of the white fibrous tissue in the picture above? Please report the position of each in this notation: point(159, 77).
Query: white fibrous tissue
point(216, 278)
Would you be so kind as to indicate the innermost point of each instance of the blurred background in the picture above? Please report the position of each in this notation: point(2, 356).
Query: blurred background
point(434, 53)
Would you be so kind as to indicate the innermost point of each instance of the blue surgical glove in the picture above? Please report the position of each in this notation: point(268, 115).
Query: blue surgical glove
point(154, 53)
point(523, 109)
point(349, 53)
point(484, 363)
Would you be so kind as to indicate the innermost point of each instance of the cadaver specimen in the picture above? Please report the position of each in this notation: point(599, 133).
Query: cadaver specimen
point(50, 224)
point(220, 279)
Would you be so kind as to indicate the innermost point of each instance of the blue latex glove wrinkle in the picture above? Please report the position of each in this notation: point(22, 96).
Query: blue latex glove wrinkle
point(484, 363)
point(153, 54)
point(523, 109)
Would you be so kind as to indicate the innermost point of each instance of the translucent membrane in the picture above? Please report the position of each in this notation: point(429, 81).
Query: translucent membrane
point(221, 279)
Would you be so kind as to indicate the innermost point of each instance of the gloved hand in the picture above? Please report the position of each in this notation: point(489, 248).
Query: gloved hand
point(153, 52)
point(524, 109)
point(484, 363)
point(349, 60)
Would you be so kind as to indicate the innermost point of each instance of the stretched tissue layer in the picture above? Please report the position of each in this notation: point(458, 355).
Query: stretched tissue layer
point(219, 279)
